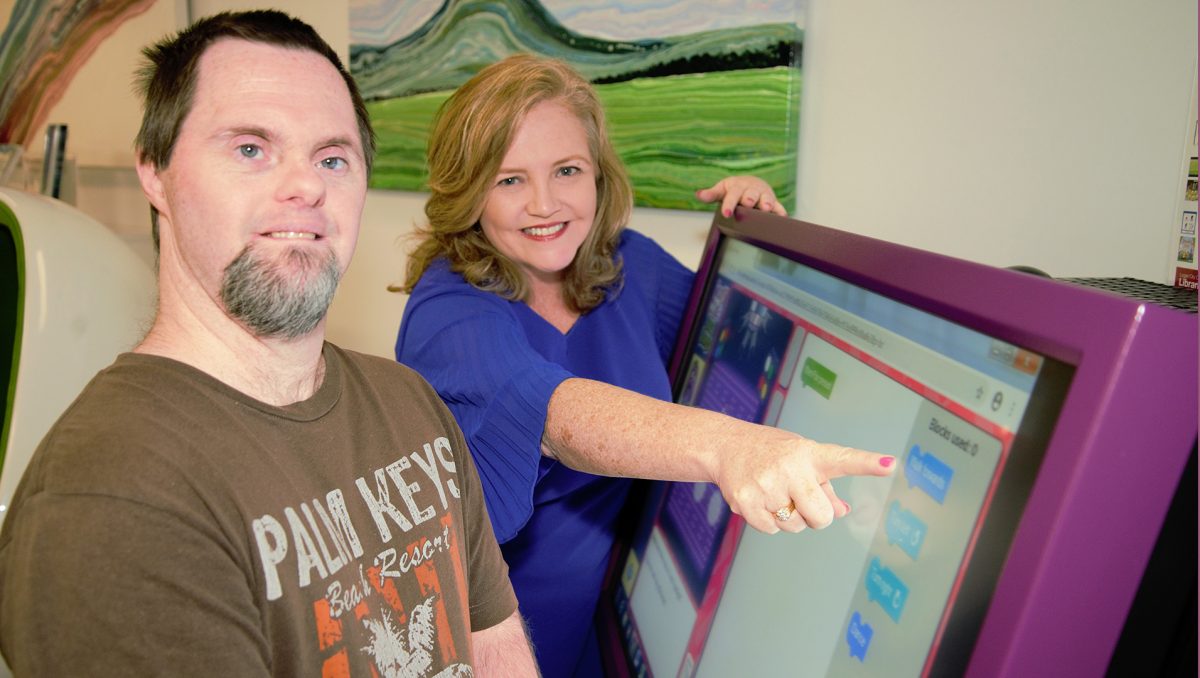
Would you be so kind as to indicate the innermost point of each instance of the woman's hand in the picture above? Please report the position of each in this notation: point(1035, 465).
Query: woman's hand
point(777, 480)
point(606, 430)
point(742, 190)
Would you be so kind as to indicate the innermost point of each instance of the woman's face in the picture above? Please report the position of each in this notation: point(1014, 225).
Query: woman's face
point(543, 200)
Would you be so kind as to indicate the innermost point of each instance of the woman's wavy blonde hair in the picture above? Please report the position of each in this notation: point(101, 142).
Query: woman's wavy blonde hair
point(471, 134)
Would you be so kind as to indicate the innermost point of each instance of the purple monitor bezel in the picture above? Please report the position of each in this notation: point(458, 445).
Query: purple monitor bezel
point(1114, 460)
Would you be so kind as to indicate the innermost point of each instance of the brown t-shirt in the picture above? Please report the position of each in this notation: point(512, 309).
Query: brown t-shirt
point(171, 525)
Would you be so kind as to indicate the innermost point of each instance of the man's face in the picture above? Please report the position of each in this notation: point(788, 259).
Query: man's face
point(260, 203)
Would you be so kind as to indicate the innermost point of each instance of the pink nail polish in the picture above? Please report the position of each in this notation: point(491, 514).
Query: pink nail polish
point(886, 462)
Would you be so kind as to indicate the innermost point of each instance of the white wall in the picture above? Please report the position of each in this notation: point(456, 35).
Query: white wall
point(1047, 133)
point(1040, 132)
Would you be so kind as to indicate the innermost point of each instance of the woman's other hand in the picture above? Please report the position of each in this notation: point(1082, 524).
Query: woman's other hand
point(746, 190)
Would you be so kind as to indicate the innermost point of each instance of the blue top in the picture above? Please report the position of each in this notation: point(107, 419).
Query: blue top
point(496, 363)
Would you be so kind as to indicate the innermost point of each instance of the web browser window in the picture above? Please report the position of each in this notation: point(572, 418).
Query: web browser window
point(790, 346)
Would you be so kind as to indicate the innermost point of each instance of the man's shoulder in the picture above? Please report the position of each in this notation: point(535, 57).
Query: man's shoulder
point(98, 445)
point(373, 367)
point(128, 388)
point(386, 378)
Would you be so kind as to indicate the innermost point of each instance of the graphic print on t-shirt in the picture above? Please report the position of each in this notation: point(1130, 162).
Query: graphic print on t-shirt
point(381, 562)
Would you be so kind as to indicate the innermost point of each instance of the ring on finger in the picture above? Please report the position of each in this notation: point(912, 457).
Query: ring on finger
point(785, 514)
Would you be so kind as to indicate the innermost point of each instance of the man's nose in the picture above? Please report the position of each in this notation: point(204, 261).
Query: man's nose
point(301, 180)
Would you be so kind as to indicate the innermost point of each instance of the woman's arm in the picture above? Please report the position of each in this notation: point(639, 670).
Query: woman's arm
point(606, 430)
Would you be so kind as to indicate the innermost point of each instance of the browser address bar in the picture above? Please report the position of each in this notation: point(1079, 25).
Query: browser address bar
point(986, 396)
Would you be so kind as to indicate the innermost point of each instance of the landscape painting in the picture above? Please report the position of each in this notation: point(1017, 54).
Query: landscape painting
point(694, 91)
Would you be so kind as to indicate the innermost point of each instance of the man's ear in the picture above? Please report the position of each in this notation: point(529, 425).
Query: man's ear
point(152, 185)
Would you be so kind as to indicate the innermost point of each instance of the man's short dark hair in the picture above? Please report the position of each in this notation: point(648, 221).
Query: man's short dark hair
point(167, 81)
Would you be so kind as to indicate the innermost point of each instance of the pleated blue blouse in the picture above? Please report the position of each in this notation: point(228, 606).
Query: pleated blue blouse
point(496, 363)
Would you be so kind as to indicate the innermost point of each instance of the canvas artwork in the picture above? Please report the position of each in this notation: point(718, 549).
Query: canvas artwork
point(694, 91)
point(43, 46)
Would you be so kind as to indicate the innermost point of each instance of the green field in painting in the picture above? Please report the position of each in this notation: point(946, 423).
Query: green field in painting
point(675, 134)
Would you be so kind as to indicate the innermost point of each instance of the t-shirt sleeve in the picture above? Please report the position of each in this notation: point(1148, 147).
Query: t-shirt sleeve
point(151, 594)
point(492, 599)
point(472, 350)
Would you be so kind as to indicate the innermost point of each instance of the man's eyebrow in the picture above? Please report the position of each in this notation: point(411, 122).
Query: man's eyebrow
point(249, 130)
point(342, 142)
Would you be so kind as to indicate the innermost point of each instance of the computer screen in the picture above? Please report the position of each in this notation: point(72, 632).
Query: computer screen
point(963, 372)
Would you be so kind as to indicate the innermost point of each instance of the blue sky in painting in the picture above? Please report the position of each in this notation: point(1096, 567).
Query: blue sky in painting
point(380, 22)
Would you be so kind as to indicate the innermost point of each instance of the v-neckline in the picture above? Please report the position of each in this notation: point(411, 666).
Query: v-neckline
point(551, 325)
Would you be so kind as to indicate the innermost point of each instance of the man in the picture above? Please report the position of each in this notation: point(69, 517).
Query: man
point(236, 496)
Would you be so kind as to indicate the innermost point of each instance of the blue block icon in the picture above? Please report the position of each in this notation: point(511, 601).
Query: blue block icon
point(904, 529)
point(926, 471)
point(858, 637)
point(885, 588)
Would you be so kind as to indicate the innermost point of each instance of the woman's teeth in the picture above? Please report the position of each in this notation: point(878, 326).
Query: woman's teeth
point(542, 231)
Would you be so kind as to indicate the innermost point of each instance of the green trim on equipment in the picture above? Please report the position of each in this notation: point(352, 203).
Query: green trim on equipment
point(9, 220)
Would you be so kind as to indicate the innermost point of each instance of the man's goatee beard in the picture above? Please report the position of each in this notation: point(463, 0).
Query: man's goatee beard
point(275, 300)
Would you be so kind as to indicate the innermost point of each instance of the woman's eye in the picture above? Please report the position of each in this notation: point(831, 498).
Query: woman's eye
point(249, 151)
point(507, 181)
point(569, 171)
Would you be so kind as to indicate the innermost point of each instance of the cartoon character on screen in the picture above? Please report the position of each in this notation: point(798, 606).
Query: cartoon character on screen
point(754, 322)
point(770, 367)
point(722, 340)
point(716, 309)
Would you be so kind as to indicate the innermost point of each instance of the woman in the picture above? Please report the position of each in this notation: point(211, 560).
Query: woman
point(547, 326)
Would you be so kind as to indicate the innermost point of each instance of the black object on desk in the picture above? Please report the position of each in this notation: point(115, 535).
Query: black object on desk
point(1156, 293)
point(52, 161)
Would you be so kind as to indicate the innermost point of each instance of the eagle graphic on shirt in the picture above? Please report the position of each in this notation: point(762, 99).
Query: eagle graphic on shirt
point(408, 652)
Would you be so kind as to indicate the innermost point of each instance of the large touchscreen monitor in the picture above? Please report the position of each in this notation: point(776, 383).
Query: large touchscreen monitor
point(978, 379)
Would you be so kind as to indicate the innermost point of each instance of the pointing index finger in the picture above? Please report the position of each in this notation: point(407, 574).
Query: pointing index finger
point(839, 460)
